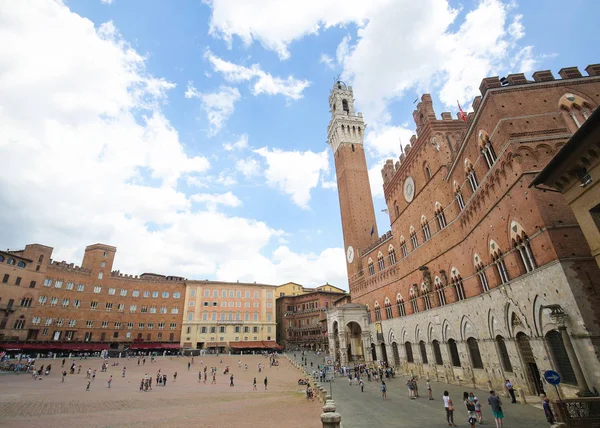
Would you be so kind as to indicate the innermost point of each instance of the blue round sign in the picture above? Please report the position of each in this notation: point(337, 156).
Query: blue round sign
point(552, 377)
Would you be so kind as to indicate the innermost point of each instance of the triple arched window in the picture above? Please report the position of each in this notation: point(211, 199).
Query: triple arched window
point(498, 259)
point(471, 176)
point(426, 230)
point(487, 149)
point(439, 216)
point(458, 285)
point(392, 255)
point(401, 307)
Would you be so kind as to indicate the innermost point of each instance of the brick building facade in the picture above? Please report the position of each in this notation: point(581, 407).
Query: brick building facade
point(56, 306)
point(480, 277)
point(300, 319)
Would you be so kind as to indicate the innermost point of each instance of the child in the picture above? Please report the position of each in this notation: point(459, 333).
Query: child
point(383, 390)
point(478, 413)
point(429, 391)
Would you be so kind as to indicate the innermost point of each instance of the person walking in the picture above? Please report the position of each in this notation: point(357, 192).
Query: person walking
point(254, 385)
point(174, 376)
point(548, 411)
point(64, 375)
point(266, 382)
point(231, 380)
point(478, 413)
point(468, 400)
point(449, 408)
point(87, 388)
point(383, 390)
point(362, 385)
point(496, 403)
point(109, 381)
point(511, 391)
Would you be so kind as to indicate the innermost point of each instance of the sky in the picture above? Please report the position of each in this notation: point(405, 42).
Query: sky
point(192, 135)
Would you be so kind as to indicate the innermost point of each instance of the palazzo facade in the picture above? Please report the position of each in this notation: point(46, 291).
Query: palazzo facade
point(481, 277)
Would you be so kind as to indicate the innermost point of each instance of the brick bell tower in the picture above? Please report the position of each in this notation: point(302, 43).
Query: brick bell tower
point(345, 136)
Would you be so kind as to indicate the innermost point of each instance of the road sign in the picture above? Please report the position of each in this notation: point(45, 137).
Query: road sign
point(329, 361)
point(552, 377)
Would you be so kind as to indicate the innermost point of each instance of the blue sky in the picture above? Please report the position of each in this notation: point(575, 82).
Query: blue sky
point(192, 135)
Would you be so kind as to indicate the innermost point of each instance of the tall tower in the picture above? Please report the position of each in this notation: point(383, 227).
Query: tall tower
point(345, 136)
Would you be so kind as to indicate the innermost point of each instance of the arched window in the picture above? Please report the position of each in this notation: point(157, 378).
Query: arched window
point(380, 261)
point(409, 353)
point(426, 231)
point(413, 299)
point(575, 107)
point(439, 289)
point(560, 358)
point(480, 269)
point(470, 172)
point(413, 238)
point(428, 174)
point(392, 255)
point(403, 247)
point(345, 106)
point(503, 353)
point(100, 275)
point(371, 267)
point(369, 314)
point(454, 353)
point(457, 282)
point(377, 311)
point(487, 150)
point(41, 259)
point(439, 216)
point(498, 259)
point(401, 306)
point(10, 261)
point(459, 197)
point(396, 354)
point(437, 353)
point(476, 361)
point(388, 309)
point(423, 350)
point(21, 264)
point(520, 241)
point(396, 209)
point(1, 259)
point(426, 298)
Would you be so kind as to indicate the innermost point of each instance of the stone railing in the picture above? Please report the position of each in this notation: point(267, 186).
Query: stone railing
point(577, 412)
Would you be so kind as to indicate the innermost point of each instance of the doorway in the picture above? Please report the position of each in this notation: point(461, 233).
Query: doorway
point(534, 380)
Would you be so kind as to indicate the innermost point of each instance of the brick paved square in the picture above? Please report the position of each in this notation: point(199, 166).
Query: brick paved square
point(185, 402)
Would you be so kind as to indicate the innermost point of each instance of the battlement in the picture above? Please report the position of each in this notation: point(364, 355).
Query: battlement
point(147, 277)
point(69, 267)
point(387, 235)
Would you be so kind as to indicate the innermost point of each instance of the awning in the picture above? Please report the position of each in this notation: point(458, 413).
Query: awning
point(216, 344)
point(142, 345)
point(255, 344)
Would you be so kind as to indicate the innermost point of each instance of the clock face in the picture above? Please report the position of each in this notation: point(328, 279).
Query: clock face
point(350, 254)
point(409, 189)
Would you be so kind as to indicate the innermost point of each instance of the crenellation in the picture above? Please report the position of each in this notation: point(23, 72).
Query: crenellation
point(593, 70)
point(569, 73)
point(489, 83)
point(476, 103)
point(517, 79)
point(543, 76)
point(446, 115)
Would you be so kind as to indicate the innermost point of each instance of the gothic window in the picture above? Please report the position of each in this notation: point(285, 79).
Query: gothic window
point(575, 107)
point(487, 150)
point(472, 180)
point(345, 106)
point(377, 311)
point(439, 289)
point(504, 358)
point(409, 353)
point(423, 350)
point(498, 259)
point(480, 270)
point(457, 282)
point(459, 197)
point(396, 209)
point(392, 255)
point(371, 267)
point(413, 300)
point(426, 231)
point(520, 241)
point(401, 307)
point(437, 353)
point(380, 261)
point(454, 353)
point(426, 297)
point(403, 247)
point(388, 309)
point(427, 173)
point(368, 314)
point(560, 358)
point(413, 238)
point(439, 216)
point(476, 361)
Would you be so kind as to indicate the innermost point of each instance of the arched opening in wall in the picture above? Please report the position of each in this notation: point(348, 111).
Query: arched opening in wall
point(534, 380)
point(384, 357)
point(503, 354)
point(428, 174)
point(336, 340)
point(345, 106)
point(454, 357)
point(476, 361)
point(437, 353)
point(354, 341)
point(396, 354)
point(352, 147)
point(41, 259)
point(423, 350)
point(409, 354)
point(396, 209)
point(560, 358)
point(373, 352)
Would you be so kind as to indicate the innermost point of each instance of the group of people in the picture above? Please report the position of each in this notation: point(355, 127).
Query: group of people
point(473, 408)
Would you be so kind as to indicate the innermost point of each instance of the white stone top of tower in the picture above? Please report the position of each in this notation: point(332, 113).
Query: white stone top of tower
point(345, 126)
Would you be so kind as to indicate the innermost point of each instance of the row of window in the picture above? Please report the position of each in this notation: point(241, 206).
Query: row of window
point(108, 306)
point(501, 273)
point(223, 329)
point(104, 324)
point(231, 293)
point(225, 304)
point(18, 279)
point(13, 262)
point(228, 316)
point(48, 282)
point(70, 335)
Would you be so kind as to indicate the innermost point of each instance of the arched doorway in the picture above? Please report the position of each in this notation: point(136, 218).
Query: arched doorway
point(384, 357)
point(336, 341)
point(560, 358)
point(534, 381)
point(354, 341)
point(396, 354)
point(373, 352)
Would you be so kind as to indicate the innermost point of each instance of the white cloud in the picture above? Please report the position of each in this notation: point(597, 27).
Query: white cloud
point(291, 88)
point(332, 185)
point(106, 2)
point(86, 155)
point(294, 173)
point(240, 144)
point(249, 167)
point(328, 61)
point(384, 141)
point(219, 106)
point(212, 201)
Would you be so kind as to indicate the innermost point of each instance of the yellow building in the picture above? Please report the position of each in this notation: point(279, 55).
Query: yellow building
point(220, 316)
point(294, 289)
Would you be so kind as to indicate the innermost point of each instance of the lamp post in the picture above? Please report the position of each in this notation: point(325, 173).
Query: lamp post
point(559, 317)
